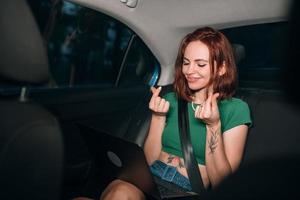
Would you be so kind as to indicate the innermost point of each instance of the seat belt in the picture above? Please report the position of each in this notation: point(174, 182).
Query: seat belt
point(186, 146)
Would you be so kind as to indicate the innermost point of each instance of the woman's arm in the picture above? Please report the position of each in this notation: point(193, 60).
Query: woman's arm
point(152, 147)
point(159, 107)
point(223, 151)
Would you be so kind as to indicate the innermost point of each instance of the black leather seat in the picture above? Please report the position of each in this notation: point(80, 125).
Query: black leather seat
point(31, 146)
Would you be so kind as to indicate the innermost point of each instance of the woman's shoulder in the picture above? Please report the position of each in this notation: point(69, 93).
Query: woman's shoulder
point(234, 112)
point(233, 103)
point(233, 107)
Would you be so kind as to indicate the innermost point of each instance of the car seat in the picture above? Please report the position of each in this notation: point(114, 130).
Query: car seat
point(31, 146)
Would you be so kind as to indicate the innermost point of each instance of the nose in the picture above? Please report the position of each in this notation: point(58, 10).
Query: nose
point(190, 68)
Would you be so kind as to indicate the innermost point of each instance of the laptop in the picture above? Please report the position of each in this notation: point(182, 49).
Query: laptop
point(126, 161)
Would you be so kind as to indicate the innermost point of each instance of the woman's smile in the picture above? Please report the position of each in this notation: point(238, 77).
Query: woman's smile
point(192, 78)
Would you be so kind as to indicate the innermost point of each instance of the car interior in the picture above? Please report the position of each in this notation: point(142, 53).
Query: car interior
point(51, 81)
point(31, 145)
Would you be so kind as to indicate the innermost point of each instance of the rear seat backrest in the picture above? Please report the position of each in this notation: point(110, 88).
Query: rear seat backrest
point(275, 127)
point(272, 133)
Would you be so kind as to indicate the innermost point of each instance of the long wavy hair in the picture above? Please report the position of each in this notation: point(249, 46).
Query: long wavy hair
point(220, 54)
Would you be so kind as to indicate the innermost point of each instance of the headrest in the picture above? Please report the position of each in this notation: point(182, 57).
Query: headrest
point(22, 52)
point(238, 52)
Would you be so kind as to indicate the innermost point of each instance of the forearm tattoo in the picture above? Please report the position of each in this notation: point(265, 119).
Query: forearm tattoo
point(175, 159)
point(213, 141)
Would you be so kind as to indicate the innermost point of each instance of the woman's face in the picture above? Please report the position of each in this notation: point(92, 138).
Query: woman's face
point(196, 65)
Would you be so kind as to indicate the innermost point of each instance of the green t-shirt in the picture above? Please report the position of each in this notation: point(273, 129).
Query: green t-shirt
point(233, 112)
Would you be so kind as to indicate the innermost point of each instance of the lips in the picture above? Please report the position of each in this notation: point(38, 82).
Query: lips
point(192, 79)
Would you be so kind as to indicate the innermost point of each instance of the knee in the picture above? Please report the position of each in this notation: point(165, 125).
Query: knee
point(121, 190)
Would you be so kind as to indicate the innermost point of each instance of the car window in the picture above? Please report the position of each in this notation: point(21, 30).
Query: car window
point(87, 48)
point(264, 46)
point(139, 66)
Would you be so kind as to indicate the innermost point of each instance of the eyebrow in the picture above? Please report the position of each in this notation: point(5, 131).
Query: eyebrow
point(197, 60)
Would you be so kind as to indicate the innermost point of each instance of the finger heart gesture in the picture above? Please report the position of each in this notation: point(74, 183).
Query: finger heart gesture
point(208, 112)
point(158, 105)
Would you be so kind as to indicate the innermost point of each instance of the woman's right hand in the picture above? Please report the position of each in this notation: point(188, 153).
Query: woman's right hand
point(159, 106)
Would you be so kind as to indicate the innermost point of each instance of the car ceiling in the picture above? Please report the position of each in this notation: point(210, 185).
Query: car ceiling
point(162, 23)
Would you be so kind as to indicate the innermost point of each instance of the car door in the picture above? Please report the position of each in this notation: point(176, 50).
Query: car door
point(100, 69)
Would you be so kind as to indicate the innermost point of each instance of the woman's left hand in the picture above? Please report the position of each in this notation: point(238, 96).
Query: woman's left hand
point(209, 111)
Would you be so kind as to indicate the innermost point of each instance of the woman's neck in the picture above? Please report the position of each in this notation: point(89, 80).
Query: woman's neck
point(200, 96)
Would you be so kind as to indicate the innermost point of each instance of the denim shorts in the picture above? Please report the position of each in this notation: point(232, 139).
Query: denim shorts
point(170, 174)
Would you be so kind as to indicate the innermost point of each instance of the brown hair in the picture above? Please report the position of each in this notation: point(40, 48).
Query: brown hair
point(220, 53)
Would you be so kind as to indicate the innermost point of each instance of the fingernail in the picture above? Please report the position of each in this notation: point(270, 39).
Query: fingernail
point(159, 87)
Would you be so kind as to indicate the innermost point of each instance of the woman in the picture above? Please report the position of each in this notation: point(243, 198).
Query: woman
point(205, 76)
